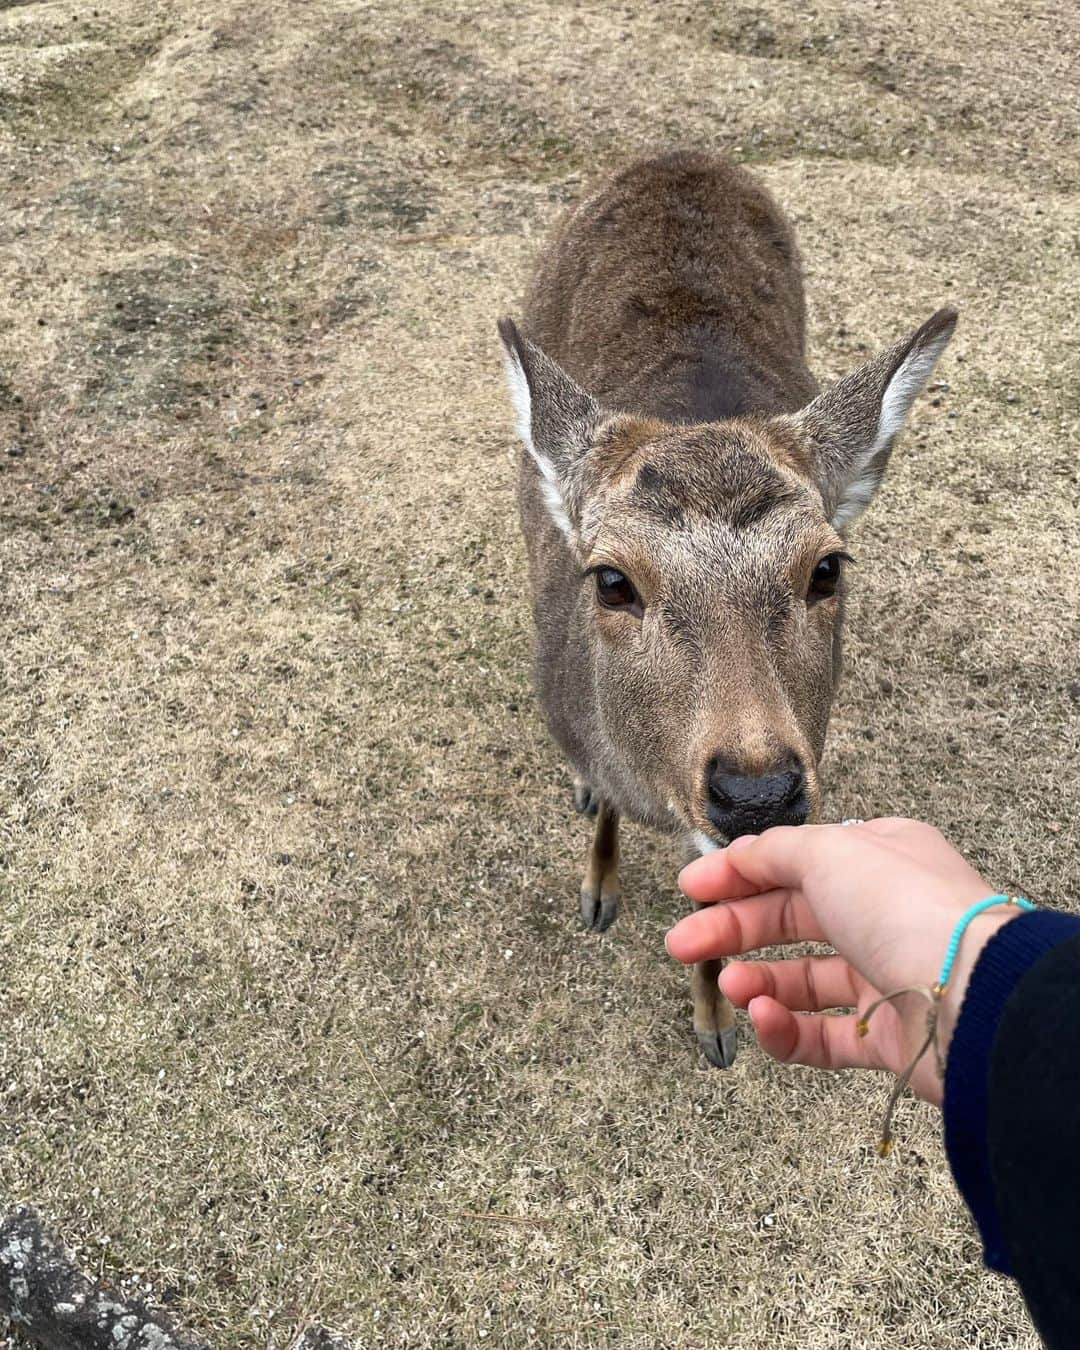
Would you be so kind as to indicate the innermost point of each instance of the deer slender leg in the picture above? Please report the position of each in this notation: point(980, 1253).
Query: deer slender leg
point(714, 1017)
point(600, 888)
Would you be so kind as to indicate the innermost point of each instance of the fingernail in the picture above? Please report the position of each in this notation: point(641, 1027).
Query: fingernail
point(742, 841)
point(687, 870)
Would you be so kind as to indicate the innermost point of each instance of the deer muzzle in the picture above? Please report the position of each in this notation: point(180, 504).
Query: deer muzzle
point(740, 803)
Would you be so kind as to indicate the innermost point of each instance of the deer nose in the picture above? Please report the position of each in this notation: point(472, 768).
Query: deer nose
point(747, 804)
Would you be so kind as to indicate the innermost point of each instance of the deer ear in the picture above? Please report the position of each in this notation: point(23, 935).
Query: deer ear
point(850, 428)
point(556, 420)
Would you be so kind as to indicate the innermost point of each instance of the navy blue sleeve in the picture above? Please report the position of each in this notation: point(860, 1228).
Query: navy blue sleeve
point(1005, 959)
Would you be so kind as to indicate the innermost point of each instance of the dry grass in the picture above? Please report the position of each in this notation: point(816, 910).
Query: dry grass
point(297, 1022)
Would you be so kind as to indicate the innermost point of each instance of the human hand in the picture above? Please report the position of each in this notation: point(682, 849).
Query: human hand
point(885, 893)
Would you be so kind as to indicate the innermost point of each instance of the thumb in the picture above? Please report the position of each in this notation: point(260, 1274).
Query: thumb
point(778, 858)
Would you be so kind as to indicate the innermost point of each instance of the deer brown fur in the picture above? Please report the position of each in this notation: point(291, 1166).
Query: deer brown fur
point(684, 490)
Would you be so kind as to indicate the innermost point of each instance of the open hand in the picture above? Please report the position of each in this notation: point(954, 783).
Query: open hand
point(885, 894)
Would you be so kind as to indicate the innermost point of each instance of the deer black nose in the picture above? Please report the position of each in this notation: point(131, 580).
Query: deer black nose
point(745, 804)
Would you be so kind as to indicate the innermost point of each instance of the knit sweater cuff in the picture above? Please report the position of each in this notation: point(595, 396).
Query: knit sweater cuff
point(1010, 952)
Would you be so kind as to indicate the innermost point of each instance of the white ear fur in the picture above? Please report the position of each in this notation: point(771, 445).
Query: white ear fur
point(906, 384)
point(520, 397)
point(522, 401)
point(858, 495)
point(905, 387)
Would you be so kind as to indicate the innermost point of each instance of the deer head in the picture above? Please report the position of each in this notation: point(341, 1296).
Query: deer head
point(711, 561)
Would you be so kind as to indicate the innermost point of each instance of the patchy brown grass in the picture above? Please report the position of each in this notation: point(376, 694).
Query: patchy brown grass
point(297, 1022)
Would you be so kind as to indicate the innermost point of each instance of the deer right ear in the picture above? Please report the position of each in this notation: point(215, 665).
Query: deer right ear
point(850, 428)
point(556, 420)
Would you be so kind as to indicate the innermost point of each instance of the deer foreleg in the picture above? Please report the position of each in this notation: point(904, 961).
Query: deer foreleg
point(714, 1017)
point(600, 888)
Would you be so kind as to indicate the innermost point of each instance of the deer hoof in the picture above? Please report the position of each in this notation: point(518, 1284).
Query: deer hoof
point(598, 908)
point(585, 799)
point(719, 1047)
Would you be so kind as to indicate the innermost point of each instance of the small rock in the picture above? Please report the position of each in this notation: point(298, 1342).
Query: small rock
point(16, 451)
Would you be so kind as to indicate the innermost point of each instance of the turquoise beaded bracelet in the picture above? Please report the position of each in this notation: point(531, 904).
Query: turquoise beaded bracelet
point(933, 998)
point(961, 926)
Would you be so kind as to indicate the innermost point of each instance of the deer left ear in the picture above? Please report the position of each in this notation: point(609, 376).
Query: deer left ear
point(556, 420)
point(848, 431)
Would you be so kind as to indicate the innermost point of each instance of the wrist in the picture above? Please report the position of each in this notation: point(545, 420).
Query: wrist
point(978, 933)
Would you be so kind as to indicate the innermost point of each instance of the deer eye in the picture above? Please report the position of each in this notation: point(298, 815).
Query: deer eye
point(616, 591)
point(826, 576)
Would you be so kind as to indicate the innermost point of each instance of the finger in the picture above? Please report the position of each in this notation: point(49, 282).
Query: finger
point(822, 1042)
point(714, 877)
point(803, 983)
point(739, 926)
point(779, 857)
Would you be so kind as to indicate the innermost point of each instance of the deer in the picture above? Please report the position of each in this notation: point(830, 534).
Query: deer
point(685, 491)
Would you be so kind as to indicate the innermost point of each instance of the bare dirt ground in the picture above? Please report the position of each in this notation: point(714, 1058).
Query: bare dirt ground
point(296, 1020)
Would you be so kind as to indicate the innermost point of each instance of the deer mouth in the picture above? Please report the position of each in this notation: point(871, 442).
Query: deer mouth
point(705, 843)
point(724, 825)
